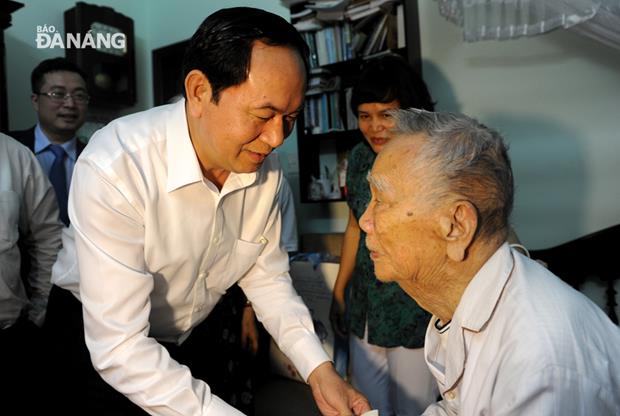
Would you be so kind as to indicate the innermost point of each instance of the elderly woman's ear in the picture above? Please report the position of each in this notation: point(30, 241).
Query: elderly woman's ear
point(458, 225)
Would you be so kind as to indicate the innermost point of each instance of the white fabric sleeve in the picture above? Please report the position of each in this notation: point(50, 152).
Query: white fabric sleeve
point(277, 305)
point(438, 409)
point(41, 228)
point(115, 292)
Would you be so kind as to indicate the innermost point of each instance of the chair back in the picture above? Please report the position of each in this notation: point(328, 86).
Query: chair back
point(592, 255)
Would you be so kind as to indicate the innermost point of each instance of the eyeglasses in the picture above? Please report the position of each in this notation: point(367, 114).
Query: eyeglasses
point(58, 97)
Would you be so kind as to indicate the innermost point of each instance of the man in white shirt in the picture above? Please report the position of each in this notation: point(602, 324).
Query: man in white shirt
point(172, 206)
point(507, 337)
point(28, 208)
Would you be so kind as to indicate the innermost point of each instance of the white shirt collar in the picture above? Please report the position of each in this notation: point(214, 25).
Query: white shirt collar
point(484, 290)
point(183, 164)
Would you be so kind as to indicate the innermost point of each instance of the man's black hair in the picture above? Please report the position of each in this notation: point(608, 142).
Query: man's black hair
point(221, 48)
point(52, 65)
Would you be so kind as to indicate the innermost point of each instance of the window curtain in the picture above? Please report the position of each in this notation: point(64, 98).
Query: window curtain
point(511, 19)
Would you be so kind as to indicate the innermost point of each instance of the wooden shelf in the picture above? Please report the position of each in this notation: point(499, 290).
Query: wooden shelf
point(317, 151)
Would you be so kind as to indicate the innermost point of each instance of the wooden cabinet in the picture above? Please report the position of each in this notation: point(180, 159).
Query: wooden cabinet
point(342, 35)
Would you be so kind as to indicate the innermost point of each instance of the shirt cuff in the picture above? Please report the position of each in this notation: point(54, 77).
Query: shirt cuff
point(307, 354)
point(218, 407)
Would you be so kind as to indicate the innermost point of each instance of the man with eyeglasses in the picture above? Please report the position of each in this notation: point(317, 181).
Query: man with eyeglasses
point(60, 99)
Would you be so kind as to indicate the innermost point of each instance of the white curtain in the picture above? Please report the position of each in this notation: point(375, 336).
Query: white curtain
point(510, 19)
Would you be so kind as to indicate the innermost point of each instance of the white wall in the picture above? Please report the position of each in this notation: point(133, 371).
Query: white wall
point(22, 55)
point(157, 23)
point(555, 98)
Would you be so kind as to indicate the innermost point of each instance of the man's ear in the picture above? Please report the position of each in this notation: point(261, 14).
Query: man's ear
point(197, 92)
point(34, 99)
point(458, 226)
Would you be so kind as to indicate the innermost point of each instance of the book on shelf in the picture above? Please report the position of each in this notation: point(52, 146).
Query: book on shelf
point(328, 4)
point(351, 118)
point(361, 13)
point(322, 113)
point(289, 3)
point(330, 15)
point(308, 23)
point(353, 28)
point(363, 9)
point(302, 13)
point(373, 44)
point(400, 26)
point(311, 42)
point(320, 82)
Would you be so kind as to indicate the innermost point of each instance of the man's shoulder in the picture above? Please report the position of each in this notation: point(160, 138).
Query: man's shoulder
point(25, 137)
point(15, 151)
point(545, 314)
point(130, 133)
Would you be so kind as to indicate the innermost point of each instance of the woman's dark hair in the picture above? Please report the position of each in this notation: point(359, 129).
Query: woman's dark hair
point(221, 48)
point(390, 78)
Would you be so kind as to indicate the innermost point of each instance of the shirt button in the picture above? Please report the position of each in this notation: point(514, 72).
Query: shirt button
point(450, 395)
point(215, 240)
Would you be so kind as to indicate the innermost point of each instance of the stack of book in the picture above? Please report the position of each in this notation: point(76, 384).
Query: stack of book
point(339, 30)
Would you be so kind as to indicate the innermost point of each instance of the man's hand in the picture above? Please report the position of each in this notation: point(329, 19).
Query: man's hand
point(333, 395)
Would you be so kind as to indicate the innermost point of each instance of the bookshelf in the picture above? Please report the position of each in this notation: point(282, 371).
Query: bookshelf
point(342, 35)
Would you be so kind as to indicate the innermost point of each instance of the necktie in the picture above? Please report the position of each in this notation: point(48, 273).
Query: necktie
point(58, 177)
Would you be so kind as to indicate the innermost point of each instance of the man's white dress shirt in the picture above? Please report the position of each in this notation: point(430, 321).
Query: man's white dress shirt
point(27, 206)
point(523, 342)
point(158, 245)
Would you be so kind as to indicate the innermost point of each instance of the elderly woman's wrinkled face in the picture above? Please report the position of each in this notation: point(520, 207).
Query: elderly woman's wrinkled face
point(399, 221)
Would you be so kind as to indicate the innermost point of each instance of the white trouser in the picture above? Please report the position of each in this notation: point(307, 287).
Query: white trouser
point(396, 380)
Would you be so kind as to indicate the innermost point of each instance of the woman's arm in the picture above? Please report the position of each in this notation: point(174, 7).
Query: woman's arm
point(345, 272)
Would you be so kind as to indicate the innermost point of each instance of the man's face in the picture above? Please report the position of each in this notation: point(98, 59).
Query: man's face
point(400, 221)
point(253, 118)
point(60, 120)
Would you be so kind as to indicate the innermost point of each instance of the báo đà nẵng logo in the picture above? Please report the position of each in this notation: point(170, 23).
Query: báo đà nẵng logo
point(101, 37)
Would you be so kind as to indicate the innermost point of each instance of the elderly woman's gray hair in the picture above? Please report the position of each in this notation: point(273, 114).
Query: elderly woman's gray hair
point(467, 159)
